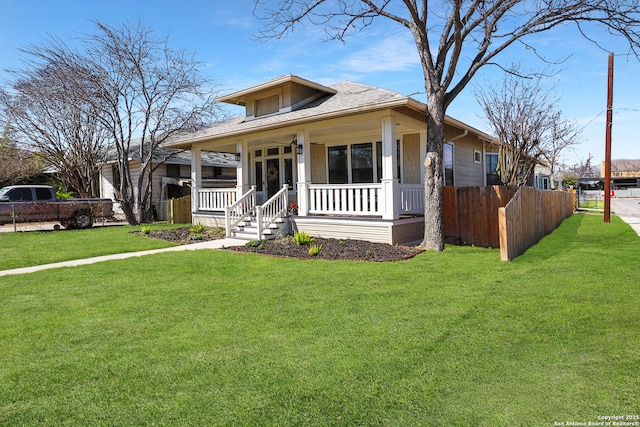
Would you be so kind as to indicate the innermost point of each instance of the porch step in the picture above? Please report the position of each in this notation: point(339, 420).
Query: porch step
point(249, 231)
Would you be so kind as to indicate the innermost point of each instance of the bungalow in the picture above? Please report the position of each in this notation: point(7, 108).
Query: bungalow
point(347, 159)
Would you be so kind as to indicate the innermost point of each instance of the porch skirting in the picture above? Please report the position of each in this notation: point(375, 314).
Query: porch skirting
point(210, 219)
point(399, 231)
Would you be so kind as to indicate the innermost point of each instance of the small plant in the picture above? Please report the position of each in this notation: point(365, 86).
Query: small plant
point(64, 195)
point(254, 244)
point(145, 229)
point(197, 228)
point(341, 242)
point(314, 250)
point(302, 238)
point(195, 236)
point(293, 208)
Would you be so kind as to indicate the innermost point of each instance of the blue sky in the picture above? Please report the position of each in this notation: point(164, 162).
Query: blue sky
point(219, 33)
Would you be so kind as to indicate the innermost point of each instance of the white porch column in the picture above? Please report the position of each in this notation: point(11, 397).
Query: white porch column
point(242, 171)
point(196, 176)
point(304, 172)
point(390, 188)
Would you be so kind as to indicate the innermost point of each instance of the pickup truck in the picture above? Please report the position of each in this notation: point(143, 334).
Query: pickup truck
point(38, 203)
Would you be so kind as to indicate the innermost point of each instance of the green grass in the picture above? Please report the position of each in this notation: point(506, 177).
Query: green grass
point(24, 249)
point(592, 204)
point(220, 338)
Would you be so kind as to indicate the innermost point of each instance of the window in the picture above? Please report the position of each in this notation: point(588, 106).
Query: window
point(43, 194)
point(20, 194)
point(272, 151)
point(268, 105)
point(361, 163)
point(173, 171)
point(257, 153)
point(447, 162)
point(491, 161)
point(338, 166)
point(379, 160)
point(477, 156)
point(258, 172)
point(288, 173)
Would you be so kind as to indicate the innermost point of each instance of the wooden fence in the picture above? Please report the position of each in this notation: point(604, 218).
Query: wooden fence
point(530, 215)
point(503, 217)
point(470, 214)
point(178, 211)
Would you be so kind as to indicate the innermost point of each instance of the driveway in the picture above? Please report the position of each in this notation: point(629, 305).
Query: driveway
point(628, 209)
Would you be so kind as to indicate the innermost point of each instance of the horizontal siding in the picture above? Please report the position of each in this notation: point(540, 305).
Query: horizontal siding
point(346, 229)
point(409, 232)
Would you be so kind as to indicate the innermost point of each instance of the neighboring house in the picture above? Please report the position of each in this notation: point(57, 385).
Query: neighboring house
point(350, 155)
point(172, 179)
point(542, 178)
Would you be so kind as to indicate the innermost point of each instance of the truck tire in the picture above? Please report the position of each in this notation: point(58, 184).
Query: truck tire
point(82, 220)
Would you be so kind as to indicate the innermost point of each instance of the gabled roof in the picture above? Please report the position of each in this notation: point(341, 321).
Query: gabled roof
point(340, 100)
point(238, 98)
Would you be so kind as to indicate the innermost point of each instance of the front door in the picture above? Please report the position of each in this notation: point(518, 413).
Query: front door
point(273, 177)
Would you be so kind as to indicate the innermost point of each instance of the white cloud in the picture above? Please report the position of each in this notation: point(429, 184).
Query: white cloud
point(394, 53)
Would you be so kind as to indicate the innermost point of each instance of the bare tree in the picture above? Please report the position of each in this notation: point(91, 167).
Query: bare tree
point(16, 164)
point(142, 93)
point(49, 113)
point(454, 40)
point(525, 118)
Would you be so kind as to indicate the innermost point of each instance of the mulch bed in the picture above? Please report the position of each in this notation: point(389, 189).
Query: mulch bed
point(331, 249)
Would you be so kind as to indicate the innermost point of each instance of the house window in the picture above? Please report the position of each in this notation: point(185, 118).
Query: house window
point(272, 151)
point(258, 172)
point(288, 172)
point(477, 156)
point(268, 105)
point(447, 163)
point(361, 163)
point(338, 166)
point(491, 160)
point(173, 171)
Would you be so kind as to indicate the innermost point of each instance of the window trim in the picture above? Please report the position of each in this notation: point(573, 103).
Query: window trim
point(453, 164)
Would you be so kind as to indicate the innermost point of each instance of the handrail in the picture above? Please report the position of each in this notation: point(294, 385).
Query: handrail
point(238, 211)
point(272, 209)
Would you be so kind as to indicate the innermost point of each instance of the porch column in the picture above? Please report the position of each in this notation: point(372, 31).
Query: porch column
point(304, 172)
point(242, 171)
point(390, 188)
point(196, 177)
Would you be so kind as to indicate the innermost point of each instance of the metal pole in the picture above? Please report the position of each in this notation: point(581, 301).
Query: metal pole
point(607, 155)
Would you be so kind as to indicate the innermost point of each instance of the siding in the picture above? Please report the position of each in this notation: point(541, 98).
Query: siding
point(467, 172)
point(411, 159)
point(318, 164)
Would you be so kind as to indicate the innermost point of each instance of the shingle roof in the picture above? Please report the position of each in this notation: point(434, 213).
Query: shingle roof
point(349, 97)
point(209, 158)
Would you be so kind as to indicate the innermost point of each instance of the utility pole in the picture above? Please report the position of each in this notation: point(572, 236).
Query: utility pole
point(607, 151)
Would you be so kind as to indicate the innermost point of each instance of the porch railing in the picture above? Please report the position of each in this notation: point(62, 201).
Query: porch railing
point(345, 199)
point(274, 208)
point(216, 199)
point(412, 199)
point(239, 210)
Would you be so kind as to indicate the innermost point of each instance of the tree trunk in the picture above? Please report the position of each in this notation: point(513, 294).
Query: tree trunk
point(433, 180)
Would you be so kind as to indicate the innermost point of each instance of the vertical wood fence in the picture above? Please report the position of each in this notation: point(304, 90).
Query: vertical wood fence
point(178, 211)
point(503, 217)
point(530, 215)
point(470, 214)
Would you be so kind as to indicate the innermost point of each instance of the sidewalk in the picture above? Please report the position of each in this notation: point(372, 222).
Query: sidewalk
point(212, 244)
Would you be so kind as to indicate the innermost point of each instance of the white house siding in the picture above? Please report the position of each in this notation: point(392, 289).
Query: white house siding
point(411, 159)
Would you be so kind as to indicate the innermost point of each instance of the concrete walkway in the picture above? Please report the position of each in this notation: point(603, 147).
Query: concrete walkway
point(212, 244)
point(628, 209)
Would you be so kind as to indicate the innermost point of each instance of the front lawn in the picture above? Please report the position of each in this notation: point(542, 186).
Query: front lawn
point(24, 249)
point(224, 338)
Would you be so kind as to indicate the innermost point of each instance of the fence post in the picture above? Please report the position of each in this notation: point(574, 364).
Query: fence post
point(13, 217)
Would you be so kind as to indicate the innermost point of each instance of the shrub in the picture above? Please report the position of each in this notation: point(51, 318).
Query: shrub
point(64, 195)
point(314, 250)
point(145, 229)
point(302, 238)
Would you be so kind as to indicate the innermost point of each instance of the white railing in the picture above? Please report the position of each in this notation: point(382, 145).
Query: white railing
point(412, 199)
point(345, 199)
point(274, 208)
point(238, 211)
point(216, 199)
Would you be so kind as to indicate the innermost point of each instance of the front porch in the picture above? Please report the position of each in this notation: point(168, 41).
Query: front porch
point(354, 211)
